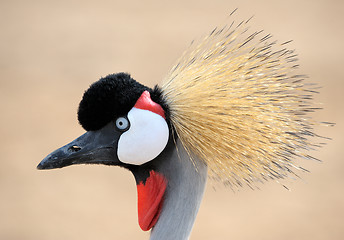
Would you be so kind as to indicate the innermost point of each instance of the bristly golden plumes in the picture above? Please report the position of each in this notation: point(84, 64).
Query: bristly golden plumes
point(236, 102)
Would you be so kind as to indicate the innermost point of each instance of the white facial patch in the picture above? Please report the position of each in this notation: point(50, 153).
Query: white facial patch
point(146, 138)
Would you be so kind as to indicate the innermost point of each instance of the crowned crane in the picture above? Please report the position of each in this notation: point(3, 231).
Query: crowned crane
point(232, 108)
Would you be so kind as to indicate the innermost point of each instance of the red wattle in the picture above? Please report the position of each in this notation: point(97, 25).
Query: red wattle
point(150, 199)
point(146, 103)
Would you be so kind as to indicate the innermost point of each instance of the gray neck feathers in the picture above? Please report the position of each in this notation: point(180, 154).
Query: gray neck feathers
point(186, 183)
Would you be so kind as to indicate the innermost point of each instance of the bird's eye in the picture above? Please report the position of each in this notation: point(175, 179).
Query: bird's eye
point(122, 124)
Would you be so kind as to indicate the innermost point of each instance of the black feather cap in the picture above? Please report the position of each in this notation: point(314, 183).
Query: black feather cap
point(111, 97)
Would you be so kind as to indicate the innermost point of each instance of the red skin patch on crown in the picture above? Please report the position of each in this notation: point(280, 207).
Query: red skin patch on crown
point(150, 199)
point(146, 103)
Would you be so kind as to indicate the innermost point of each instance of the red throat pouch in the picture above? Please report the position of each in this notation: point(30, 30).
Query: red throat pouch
point(150, 199)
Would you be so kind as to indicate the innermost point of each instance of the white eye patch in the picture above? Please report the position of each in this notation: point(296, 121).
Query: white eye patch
point(146, 138)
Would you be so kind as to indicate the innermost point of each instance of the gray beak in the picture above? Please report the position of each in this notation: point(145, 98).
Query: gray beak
point(93, 147)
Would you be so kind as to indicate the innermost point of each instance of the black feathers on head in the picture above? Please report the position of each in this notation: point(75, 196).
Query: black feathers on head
point(108, 99)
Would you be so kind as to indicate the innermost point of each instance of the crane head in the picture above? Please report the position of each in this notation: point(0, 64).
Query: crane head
point(236, 104)
point(126, 128)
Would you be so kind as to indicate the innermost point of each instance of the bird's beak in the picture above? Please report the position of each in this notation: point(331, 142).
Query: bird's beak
point(93, 147)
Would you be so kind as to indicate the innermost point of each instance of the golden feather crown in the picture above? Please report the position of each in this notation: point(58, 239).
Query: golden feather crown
point(237, 102)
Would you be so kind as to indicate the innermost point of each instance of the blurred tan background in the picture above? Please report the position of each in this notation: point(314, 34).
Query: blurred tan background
point(51, 51)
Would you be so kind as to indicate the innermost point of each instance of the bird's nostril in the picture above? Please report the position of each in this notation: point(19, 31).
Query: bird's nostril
point(74, 148)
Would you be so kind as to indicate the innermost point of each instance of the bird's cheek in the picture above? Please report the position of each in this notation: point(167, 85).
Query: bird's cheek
point(146, 138)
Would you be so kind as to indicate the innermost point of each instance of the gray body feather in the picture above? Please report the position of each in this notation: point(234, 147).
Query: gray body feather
point(184, 193)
